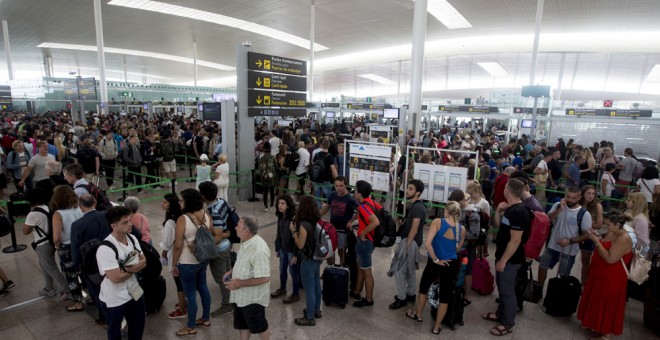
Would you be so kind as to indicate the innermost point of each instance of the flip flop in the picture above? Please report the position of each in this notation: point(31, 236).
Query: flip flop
point(202, 322)
point(413, 316)
point(185, 331)
point(491, 316)
point(69, 309)
point(438, 332)
point(500, 330)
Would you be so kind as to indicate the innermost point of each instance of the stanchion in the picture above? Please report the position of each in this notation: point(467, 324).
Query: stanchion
point(190, 174)
point(173, 181)
point(254, 190)
point(14, 247)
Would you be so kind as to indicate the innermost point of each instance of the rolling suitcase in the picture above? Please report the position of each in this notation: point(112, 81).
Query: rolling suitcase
point(154, 294)
point(563, 296)
point(455, 310)
point(335, 285)
point(483, 281)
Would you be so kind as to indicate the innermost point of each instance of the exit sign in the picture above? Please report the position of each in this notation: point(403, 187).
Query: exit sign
point(126, 94)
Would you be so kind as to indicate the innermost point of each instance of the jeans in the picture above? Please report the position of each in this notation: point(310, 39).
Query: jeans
point(134, 312)
point(323, 186)
point(294, 269)
point(109, 168)
point(219, 266)
point(133, 178)
point(310, 271)
point(506, 286)
point(94, 291)
point(193, 278)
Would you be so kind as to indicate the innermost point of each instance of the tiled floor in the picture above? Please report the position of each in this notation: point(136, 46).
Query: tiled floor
point(45, 319)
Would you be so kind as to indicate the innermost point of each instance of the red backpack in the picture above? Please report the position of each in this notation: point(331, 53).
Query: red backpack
point(539, 234)
point(325, 232)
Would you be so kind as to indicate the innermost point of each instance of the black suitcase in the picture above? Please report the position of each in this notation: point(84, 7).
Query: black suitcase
point(455, 310)
point(563, 296)
point(335, 285)
point(154, 294)
point(19, 209)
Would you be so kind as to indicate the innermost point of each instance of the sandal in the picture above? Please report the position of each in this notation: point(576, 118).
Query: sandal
point(72, 308)
point(185, 331)
point(433, 330)
point(490, 317)
point(202, 322)
point(413, 316)
point(177, 314)
point(500, 330)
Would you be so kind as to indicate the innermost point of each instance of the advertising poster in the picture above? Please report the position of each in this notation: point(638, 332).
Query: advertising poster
point(439, 180)
point(371, 163)
point(376, 131)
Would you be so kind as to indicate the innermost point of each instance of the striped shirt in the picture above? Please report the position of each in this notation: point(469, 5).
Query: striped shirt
point(252, 261)
point(219, 212)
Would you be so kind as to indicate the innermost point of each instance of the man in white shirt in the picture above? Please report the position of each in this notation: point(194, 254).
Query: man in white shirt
point(541, 177)
point(38, 164)
point(275, 143)
point(120, 290)
point(303, 165)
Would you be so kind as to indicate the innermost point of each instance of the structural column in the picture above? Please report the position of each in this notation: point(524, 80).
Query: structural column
point(48, 66)
point(5, 33)
point(195, 61)
point(100, 51)
point(535, 53)
point(245, 141)
point(417, 62)
point(310, 75)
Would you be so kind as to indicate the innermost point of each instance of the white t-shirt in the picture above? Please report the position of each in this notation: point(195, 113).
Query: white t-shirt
point(275, 143)
point(482, 205)
point(38, 164)
point(36, 218)
point(566, 227)
point(304, 161)
point(542, 165)
point(610, 183)
point(115, 294)
point(650, 183)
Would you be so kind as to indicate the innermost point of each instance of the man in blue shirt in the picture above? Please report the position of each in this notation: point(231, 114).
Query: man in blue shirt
point(572, 172)
point(518, 161)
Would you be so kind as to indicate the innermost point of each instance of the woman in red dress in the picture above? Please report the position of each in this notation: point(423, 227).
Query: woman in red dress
point(603, 302)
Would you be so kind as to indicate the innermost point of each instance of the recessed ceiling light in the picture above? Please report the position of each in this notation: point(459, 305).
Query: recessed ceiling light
point(137, 53)
point(495, 69)
point(654, 75)
point(378, 79)
point(447, 14)
point(191, 13)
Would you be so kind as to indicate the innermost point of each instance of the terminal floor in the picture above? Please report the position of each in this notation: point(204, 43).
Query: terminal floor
point(24, 315)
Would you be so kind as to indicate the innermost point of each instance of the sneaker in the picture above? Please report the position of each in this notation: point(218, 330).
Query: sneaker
point(224, 309)
point(47, 292)
point(277, 293)
point(177, 314)
point(304, 322)
point(398, 303)
point(291, 299)
point(355, 295)
point(363, 303)
point(9, 284)
point(317, 314)
point(3, 292)
point(63, 297)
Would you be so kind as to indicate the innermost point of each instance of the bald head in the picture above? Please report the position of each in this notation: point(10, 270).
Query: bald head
point(509, 170)
point(87, 202)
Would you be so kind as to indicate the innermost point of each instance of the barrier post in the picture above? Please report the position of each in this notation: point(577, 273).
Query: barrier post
point(14, 247)
point(190, 173)
point(125, 180)
point(254, 189)
point(173, 181)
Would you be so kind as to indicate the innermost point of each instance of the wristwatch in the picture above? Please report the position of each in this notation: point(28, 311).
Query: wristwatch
point(436, 261)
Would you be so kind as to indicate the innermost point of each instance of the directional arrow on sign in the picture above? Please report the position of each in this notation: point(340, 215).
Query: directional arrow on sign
point(258, 81)
point(258, 63)
point(259, 100)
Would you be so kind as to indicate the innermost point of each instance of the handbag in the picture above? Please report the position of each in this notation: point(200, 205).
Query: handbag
point(639, 268)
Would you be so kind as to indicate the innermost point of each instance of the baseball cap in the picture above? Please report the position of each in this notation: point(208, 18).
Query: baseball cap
point(204, 157)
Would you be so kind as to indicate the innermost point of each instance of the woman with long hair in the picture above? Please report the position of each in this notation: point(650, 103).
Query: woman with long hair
point(307, 215)
point(62, 155)
point(648, 184)
point(590, 202)
point(285, 249)
point(192, 272)
point(172, 213)
point(17, 160)
point(638, 209)
point(282, 169)
point(64, 207)
point(444, 238)
point(588, 169)
point(603, 302)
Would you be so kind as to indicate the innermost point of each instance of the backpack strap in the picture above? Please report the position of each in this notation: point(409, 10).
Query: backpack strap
point(580, 216)
point(40, 231)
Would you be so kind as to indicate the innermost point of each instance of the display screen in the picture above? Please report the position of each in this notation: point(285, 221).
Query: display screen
point(329, 114)
point(391, 113)
point(526, 123)
point(211, 111)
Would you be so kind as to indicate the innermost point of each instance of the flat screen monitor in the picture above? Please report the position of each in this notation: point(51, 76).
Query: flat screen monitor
point(391, 113)
point(211, 111)
point(329, 114)
point(145, 106)
point(526, 123)
point(535, 91)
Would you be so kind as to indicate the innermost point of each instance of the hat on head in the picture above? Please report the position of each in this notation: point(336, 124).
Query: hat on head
point(72, 130)
point(204, 157)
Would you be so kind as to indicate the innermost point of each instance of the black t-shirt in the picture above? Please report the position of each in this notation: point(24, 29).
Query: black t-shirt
point(342, 209)
point(518, 218)
point(329, 160)
point(199, 140)
point(416, 210)
point(555, 169)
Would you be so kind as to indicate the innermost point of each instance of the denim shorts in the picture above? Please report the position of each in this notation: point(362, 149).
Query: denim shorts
point(363, 250)
point(550, 258)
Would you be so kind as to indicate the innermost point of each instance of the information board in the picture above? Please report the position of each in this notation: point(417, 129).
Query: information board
point(211, 111)
point(540, 110)
point(265, 62)
point(371, 163)
point(275, 98)
point(281, 112)
point(439, 180)
point(275, 81)
point(87, 88)
point(609, 113)
point(465, 108)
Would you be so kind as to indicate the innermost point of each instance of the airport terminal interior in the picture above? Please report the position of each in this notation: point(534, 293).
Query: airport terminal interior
point(434, 90)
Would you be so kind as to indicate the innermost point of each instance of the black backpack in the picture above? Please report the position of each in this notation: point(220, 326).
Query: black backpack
point(41, 232)
point(102, 200)
point(6, 226)
point(232, 222)
point(292, 160)
point(154, 267)
point(90, 267)
point(167, 151)
point(318, 169)
point(385, 232)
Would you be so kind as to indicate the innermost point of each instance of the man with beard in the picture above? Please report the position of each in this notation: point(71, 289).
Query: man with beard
point(569, 218)
point(342, 209)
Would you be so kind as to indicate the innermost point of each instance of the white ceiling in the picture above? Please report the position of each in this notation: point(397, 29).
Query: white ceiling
point(617, 61)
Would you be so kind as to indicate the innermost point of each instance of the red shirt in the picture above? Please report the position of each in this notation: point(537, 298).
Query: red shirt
point(364, 211)
point(498, 191)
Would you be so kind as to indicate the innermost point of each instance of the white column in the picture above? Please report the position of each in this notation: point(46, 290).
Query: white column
point(535, 52)
point(48, 66)
point(98, 21)
point(245, 141)
point(195, 61)
point(5, 33)
point(125, 71)
point(310, 75)
point(560, 80)
point(417, 62)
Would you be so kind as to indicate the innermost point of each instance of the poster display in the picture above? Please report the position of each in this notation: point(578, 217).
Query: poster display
point(376, 131)
point(439, 180)
point(371, 163)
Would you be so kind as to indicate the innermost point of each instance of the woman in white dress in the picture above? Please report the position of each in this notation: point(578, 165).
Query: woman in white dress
point(222, 181)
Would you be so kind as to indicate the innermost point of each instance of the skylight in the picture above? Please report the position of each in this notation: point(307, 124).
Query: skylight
point(447, 14)
point(191, 13)
point(378, 79)
point(654, 75)
point(495, 69)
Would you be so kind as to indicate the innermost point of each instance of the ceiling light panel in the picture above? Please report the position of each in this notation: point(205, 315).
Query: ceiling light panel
point(654, 75)
point(378, 79)
point(122, 51)
point(495, 69)
point(214, 18)
point(447, 14)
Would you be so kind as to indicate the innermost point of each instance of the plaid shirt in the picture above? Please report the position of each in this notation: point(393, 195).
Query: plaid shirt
point(253, 261)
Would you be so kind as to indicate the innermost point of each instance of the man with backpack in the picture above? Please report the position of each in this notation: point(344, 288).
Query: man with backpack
point(341, 206)
point(364, 248)
point(120, 290)
point(322, 171)
point(91, 227)
point(166, 152)
point(89, 158)
point(108, 152)
point(571, 225)
point(411, 232)
point(73, 174)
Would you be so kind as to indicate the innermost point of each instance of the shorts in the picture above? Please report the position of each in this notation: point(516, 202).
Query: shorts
point(588, 245)
point(169, 166)
point(363, 250)
point(341, 239)
point(550, 258)
point(252, 317)
point(3, 181)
